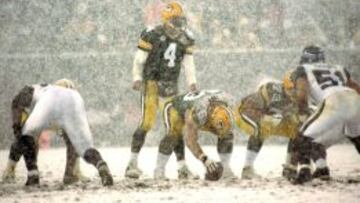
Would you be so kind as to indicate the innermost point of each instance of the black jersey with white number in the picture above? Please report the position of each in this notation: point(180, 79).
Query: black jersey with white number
point(165, 53)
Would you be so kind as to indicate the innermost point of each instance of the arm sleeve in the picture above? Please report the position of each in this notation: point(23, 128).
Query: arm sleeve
point(138, 64)
point(189, 66)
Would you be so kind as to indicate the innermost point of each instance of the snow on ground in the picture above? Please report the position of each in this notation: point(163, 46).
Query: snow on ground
point(343, 160)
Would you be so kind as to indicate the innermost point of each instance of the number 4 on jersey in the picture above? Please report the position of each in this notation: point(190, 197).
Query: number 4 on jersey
point(170, 54)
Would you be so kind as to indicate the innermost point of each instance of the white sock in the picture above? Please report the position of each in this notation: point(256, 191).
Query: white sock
point(33, 173)
point(320, 163)
point(134, 157)
point(250, 158)
point(225, 159)
point(181, 164)
point(162, 160)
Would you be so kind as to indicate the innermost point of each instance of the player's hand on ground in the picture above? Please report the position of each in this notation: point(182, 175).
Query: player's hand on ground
point(137, 85)
point(211, 165)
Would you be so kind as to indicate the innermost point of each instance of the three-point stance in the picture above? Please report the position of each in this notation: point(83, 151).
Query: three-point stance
point(205, 110)
point(53, 107)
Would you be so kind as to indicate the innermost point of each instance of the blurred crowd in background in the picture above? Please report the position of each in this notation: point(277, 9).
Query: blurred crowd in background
point(92, 42)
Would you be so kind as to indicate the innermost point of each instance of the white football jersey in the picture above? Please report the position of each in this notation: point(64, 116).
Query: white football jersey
point(55, 107)
point(324, 80)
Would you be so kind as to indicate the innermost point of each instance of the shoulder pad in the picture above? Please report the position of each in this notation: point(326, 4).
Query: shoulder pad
point(146, 32)
point(149, 29)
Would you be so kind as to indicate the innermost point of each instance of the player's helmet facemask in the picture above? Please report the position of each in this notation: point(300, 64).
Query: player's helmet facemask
point(175, 26)
point(312, 54)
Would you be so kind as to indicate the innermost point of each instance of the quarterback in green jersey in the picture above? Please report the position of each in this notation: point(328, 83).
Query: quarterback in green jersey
point(162, 52)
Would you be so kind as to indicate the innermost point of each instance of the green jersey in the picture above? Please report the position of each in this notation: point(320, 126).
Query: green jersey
point(165, 53)
point(199, 102)
point(275, 98)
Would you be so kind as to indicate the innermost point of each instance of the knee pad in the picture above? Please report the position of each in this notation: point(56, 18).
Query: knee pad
point(167, 145)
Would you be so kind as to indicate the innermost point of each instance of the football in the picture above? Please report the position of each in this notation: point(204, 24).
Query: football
point(216, 175)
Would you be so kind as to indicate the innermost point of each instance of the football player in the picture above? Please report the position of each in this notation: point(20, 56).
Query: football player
point(162, 51)
point(267, 112)
point(72, 170)
point(338, 113)
point(205, 110)
point(53, 107)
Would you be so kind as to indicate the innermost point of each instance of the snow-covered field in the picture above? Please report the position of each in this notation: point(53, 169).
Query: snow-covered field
point(343, 160)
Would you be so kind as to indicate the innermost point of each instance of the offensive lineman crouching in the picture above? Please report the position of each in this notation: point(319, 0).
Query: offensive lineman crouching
point(267, 112)
point(54, 107)
point(205, 110)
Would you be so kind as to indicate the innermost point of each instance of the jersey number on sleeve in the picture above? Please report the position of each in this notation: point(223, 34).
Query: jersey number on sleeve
point(170, 54)
point(326, 78)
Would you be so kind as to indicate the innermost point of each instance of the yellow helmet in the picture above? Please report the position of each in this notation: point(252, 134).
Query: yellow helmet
point(65, 83)
point(171, 10)
point(220, 120)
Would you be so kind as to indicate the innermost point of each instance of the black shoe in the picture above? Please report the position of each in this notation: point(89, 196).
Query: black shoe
point(105, 175)
point(290, 173)
point(70, 179)
point(304, 176)
point(322, 174)
point(32, 180)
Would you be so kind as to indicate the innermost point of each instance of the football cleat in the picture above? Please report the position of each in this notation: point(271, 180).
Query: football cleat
point(132, 171)
point(105, 175)
point(322, 174)
point(159, 174)
point(289, 172)
point(33, 180)
point(303, 176)
point(228, 174)
point(184, 174)
point(249, 173)
point(70, 179)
